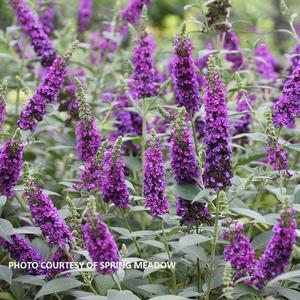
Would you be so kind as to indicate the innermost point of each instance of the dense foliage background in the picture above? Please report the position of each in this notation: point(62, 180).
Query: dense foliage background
point(255, 198)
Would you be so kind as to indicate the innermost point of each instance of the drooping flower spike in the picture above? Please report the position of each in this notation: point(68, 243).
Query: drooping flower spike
point(287, 108)
point(217, 172)
point(87, 134)
point(155, 178)
point(90, 178)
point(11, 161)
point(114, 187)
point(33, 29)
point(184, 77)
point(99, 241)
point(45, 214)
point(21, 251)
point(277, 156)
point(3, 91)
point(46, 93)
point(84, 15)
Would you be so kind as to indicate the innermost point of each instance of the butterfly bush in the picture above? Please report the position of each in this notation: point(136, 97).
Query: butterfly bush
point(278, 251)
point(287, 108)
point(39, 40)
point(143, 75)
point(46, 93)
point(84, 14)
point(114, 186)
point(155, 178)
point(11, 161)
point(22, 251)
point(87, 134)
point(217, 173)
point(132, 12)
point(239, 252)
point(265, 64)
point(184, 77)
point(47, 16)
point(231, 43)
point(3, 91)
point(295, 57)
point(100, 243)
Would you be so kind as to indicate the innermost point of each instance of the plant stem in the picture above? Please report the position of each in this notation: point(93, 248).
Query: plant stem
point(194, 135)
point(165, 242)
point(213, 249)
point(198, 266)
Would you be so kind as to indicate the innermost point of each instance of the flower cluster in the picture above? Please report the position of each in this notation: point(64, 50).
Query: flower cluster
point(231, 43)
point(47, 92)
point(47, 16)
point(217, 174)
point(242, 125)
point(46, 216)
point(132, 12)
point(100, 242)
point(184, 77)
point(295, 57)
point(84, 14)
point(217, 14)
point(287, 108)
point(87, 134)
point(11, 161)
point(155, 178)
point(265, 64)
point(3, 90)
point(239, 251)
point(21, 251)
point(143, 75)
point(39, 39)
point(276, 256)
point(114, 186)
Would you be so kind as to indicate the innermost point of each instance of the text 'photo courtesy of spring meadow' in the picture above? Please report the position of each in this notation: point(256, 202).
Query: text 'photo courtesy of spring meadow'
point(149, 149)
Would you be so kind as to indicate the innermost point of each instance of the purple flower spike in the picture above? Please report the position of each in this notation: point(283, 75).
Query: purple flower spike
point(231, 43)
point(47, 16)
point(276, 256)
point(265, 64)
point(217, 172)
point(47, 92)
point(144, 71)
point(87, 134)
point(100, 243)
point(239, 251)
point(155, 178)
point(184, 77)
point(287, 108)
point(132, 12)
point(21, 251)
point(39, 39)
point(114, 186)
point(182, 153)
point(192, 212)
point(3, 91)
point(11, 161)
point(46, 216)
point(295, 58)
point(84, 15)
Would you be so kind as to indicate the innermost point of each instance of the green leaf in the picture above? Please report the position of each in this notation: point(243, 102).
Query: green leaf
point(2, 200)
point(153, 243)
point(286, 276)
point(103, 283)
point(124, 295)
point(186, 191)
point(58, 285)
point(6, 229)
point(192, 239)
point(5, 274)
point(6, 296)
point(251, 214)
point(155, 289)
point(289, 293)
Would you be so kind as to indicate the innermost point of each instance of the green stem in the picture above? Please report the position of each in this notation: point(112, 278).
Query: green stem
point(198, 266)
point(116, 282)
point(165, 242)
point(194, 135)
point(213, 250)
